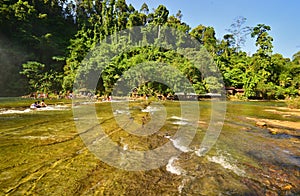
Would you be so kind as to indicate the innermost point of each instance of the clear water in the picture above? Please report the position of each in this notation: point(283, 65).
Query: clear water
point(42, 153)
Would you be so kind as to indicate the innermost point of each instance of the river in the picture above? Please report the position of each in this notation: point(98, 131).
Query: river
point(45, 152)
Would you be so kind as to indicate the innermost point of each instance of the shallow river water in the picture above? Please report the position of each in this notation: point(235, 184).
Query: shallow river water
point(45, 152)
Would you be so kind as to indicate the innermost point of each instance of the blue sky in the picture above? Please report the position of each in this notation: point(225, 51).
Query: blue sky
point(282, 15)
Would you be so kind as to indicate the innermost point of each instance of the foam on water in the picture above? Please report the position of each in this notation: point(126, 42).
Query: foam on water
point(180, 123)
point(201, 151)
point(150, 109)
point(121, 112)
point(172, 168)
point(224, 162)
point(177, 144)
point(125, 147)
point(15, 111)
point(178, 118)
point(48, 108)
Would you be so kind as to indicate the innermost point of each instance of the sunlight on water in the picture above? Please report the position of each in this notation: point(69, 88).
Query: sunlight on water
point(42, 153)
point(227, 162)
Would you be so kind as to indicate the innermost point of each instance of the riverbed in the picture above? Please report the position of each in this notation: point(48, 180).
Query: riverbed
point(43, 152)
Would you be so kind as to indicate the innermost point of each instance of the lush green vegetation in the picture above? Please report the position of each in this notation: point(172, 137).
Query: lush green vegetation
point(43, 43)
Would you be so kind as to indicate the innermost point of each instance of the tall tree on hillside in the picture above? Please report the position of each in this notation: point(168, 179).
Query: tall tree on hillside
point(136, 19)
point(263, 40)
point(160, 17)
point(239, 32)
point(122, 14)
point(296, 58)
point(144, 8)
point(198, 33)
point(206, 36)
point(258, 76)
point(179, 15)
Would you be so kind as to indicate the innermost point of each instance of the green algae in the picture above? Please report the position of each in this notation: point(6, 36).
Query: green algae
point(42, 153)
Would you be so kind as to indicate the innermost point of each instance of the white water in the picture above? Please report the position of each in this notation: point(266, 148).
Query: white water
point(121, 112)
point(150, 109)
point(176, 144)
point(180, 123)
point(225, 163)
point(125, 147)
point(201, 151)
point(179, 120)
point(48, 108)
point(15, 111)
point(173, 168)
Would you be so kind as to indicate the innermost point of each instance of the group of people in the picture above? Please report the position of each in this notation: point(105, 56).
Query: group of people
point(38, 104)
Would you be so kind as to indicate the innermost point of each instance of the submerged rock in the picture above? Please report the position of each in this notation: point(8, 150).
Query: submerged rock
point(261, 124)
point(287, 187)
point(273, 131)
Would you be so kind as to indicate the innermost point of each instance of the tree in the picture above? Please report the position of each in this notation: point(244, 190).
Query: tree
point(135, 19)
point(259, 73)
point(198, 33)
point(179, 15)
point(263, 39)
point(160, 17)
point(122, 14)
point(206, 36)
point(32, 45)
point(144, 8)
point(296, 58)
point(178, 25)
point(34, 29)
point(34, 73)
point(239, 32)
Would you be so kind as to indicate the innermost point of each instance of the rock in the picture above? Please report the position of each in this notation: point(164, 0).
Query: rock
point(272, 170)
point(273, 131)
point(247, 129)
point(271, 193)
point(287, 187)
point(261, 124)
point(266, 182)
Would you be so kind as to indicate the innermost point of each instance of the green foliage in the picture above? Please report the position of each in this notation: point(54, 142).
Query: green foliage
point(34, 73)
point(36, 31)
point(39, 79)
point(263, 39)
point(46, 43)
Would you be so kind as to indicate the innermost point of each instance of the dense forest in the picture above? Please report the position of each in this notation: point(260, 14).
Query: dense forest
point(43, 43)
